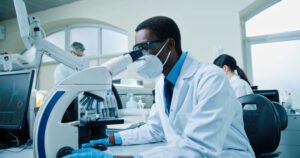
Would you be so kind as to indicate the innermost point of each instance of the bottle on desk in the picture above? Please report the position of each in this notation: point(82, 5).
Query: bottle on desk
point(131, 104)
point(287, 100)
point(140, 103)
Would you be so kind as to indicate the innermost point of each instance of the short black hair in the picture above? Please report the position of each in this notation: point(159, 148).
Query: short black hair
point(78, 46)
point(163, 27)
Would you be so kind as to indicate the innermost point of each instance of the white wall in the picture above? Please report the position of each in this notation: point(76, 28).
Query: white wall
point(204, 24)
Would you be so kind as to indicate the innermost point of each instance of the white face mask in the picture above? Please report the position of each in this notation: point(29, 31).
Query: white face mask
point(150, 67)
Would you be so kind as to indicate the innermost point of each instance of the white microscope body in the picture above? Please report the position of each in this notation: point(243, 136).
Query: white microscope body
point(51, 137)
point(50, 134)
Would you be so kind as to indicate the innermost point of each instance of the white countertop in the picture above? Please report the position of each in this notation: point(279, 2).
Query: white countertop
point(27, 152)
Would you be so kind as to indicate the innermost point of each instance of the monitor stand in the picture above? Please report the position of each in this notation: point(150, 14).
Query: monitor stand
point(13, 138)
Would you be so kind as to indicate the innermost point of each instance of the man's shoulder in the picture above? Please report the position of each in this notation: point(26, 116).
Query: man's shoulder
point(203, 66)
point(201, 69)
point(208, 69)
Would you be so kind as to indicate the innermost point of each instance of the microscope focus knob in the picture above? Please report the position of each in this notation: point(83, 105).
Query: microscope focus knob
point(64, 152)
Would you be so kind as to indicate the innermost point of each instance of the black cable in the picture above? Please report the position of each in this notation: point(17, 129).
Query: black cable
point(117, 96)
point(25, 146)
point(17, 139)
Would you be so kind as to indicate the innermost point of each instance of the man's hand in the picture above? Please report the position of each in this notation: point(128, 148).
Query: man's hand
point(104, 141)
point(88, 153)
point(110, 140)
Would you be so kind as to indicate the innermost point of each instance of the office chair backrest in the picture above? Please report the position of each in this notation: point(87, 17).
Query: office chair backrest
point(261, 125)
point(283, 118)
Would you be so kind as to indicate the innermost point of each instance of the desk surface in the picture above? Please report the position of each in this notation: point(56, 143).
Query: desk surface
point(19, 152)
point(118, 150)
point(133, 149)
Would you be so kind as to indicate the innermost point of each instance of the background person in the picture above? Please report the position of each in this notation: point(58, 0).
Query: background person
point(62, 71)
point(239, 81)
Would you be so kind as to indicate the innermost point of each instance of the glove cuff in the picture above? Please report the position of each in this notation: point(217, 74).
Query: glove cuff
point(118, 139)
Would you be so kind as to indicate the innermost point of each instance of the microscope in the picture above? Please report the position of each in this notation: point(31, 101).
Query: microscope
point(97, 106)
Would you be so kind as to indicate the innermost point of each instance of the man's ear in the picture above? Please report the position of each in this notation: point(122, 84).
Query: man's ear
point(171, 43)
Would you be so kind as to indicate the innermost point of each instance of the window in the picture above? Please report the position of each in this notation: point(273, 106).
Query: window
point(113, 42)
point(272, 48)
point(275, 66)
point(58, 39)
point(281, 17)
point(88, 36)
point(99, 41)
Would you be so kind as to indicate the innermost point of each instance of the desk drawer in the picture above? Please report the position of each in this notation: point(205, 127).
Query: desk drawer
point(289, 151)
point(293, 122)
point(290, 137)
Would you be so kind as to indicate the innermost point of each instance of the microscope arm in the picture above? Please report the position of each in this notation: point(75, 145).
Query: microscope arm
point(60, 55)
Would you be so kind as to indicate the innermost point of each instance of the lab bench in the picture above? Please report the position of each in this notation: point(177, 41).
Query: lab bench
point(119, 150)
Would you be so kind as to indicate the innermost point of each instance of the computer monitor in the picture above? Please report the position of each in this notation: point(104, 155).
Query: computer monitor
point(271, 94)
point(15, 92)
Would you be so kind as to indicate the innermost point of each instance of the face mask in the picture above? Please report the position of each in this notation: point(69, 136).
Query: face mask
point(150, 67)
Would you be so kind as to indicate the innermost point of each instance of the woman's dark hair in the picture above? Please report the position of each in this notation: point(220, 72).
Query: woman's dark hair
point(229, 61)
point(163, 27)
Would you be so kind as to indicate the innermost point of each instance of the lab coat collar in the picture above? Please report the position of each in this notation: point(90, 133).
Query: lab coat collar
point(189, 67)
point(175, 71)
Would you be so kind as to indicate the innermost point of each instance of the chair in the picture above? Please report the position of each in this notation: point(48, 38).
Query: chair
point(283, 118)
point(262, 125)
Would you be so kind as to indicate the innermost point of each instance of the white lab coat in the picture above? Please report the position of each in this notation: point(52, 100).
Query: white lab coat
point(61, 73)
point(205, 118)
point(240, 86)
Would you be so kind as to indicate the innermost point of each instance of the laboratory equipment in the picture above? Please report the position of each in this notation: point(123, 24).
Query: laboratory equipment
point(23, 22)
point(15, 92)
point(10, 62)
point(93, 86)
point(131, 104)
point(145, 94)
point(97, 108)
point(32, 34)
point(140, 103)
point(287, 100)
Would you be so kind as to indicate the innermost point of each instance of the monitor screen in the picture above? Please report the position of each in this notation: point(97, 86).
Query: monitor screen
point(271, 94)
point(15, 90)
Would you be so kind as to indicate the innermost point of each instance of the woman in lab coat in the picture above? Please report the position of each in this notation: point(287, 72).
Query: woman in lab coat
point(239, 81)
point(195, 112)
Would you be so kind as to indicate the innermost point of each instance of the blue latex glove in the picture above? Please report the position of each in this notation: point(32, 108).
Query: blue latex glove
point(88, 153)
point(104, 141)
